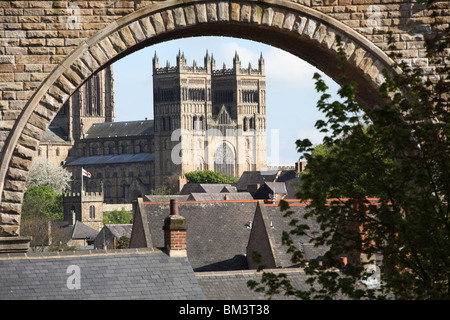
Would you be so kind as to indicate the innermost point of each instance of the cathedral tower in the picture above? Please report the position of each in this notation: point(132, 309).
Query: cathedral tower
point(208, 119)
point(92, 103)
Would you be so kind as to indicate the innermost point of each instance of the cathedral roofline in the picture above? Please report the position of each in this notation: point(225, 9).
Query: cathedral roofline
point(120, 129)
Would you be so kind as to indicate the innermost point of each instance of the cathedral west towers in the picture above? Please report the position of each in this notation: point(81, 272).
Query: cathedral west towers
point(208, 118)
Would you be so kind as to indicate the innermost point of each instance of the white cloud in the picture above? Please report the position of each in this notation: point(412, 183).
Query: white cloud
point(286, 70)
point(314, 135)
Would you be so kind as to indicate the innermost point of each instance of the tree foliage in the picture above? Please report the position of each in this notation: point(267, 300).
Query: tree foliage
point(45, 173)
point(398, 152)
point(117, 217)
point(45, 234)
point(42, 201)
point(208, 176)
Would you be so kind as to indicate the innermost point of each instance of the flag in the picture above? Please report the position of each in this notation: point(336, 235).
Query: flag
point(86, 173)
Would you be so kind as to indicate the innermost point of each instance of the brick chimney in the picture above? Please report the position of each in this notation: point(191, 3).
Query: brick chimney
point(175, 232)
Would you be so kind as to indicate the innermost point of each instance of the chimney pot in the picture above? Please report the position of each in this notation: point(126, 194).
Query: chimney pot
point(175, 232)
point(174, 207)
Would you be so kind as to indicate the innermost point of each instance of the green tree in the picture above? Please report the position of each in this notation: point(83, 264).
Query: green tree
point(123, 242)
point(208, 176)
point(117, 217)
point(42, 201)
point(399, 153)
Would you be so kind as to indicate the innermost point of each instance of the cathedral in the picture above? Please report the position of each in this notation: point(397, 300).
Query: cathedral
point(205, 118)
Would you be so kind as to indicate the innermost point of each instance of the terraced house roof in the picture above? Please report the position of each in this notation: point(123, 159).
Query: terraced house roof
point(99, 275)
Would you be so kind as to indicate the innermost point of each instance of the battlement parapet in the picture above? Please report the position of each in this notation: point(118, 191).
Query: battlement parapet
point(85, 196)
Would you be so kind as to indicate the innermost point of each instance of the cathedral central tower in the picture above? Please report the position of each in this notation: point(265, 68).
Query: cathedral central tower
point(208, 118)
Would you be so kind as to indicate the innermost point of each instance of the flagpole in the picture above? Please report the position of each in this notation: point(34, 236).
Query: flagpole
point(82, 189)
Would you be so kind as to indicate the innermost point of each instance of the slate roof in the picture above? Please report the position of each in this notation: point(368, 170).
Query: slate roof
point(292, 182)
point(217, 234)
point(119, 230)
point(78, 230)
point(255, 177)
point(55, 134)
point(116, 274)
point(164, 197)
point(206, 188)
point(232, 285)
point(220, 196)
point(110, 159)
point(289, 177)
point(120, 129)
point(279, 223)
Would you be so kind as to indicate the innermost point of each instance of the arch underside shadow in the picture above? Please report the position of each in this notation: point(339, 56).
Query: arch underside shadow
point(304, 32)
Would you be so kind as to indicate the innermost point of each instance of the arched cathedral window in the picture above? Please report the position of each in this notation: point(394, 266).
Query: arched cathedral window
point(224, 160)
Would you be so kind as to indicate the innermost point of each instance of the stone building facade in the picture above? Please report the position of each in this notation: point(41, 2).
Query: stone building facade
point(208, 118)
point(85, 207)
point(205, 119)
point(92, 103)
point(120, 158)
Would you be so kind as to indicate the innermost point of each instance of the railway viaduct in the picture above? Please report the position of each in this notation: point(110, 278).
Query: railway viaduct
point(50, 48)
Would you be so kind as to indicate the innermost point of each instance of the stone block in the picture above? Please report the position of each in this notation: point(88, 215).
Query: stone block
point(158, 23)
point(167, 17)
point(201, 13)
point(20, 163)
point(107, 48)
point(98, 54)
point(246, 13)
point(137, 32)
point(11, 219)
point(267, 17)
point(11, 208)
point(12, 196)
point(178, 17)
point(89, 61)
point(235, 11)
point(189, 12)
point(117, 42)
point(223, 11)
point(10, 242)
point(147, 27)
point(211, 12)
point(33, 131)
point(289, 21)
point(278, 19)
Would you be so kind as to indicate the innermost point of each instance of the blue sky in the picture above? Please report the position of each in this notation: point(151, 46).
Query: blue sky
point(291, 97)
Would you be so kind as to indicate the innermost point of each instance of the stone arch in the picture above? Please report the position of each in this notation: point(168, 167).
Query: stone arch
point(300, 30)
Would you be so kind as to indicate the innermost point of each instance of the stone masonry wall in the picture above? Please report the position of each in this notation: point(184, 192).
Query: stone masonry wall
point(36, 37)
